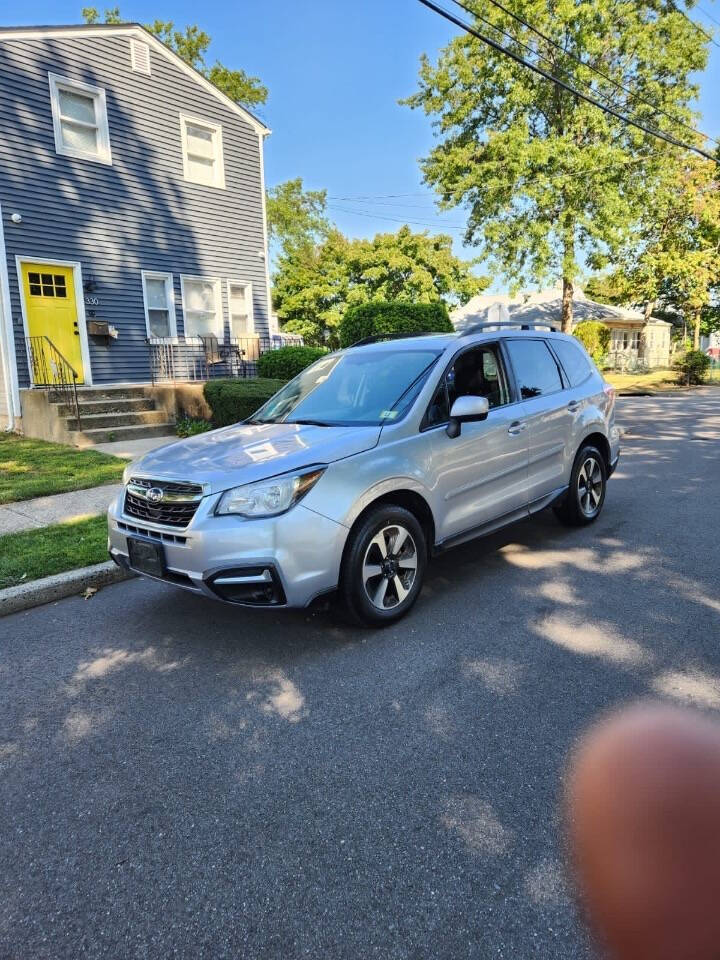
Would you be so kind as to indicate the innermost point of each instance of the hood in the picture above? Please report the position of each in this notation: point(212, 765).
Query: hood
point(245, 452)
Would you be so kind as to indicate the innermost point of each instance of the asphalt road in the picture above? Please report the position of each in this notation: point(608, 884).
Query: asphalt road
point(183, 779)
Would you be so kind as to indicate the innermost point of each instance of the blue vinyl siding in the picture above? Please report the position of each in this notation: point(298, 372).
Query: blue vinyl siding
point(137, 214)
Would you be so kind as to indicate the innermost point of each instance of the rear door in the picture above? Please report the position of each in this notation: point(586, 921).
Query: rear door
point(482, 474)
point(548, 415)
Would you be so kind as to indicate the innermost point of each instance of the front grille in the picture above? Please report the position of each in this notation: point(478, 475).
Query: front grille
point(153, 534)
point(176, 508)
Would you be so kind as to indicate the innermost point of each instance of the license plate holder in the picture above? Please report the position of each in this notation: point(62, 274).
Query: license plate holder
point(146, 556)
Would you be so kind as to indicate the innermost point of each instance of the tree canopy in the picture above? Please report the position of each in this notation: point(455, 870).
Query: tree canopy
point(548, 180)
point(192, 44)
point(319, 272)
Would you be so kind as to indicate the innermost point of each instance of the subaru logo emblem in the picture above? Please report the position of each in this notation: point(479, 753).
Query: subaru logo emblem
point(155, 495)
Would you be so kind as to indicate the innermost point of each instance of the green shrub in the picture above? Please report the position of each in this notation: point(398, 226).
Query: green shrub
point(235, 400)
point(287, 362)
point(190, 427)
point(595, 337)
point(692, 367)
point(369, 319)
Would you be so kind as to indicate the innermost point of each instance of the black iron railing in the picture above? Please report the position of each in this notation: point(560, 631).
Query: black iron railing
point(206, 358)
point(51, 371)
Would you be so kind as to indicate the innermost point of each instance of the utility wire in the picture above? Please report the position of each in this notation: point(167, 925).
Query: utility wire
point(447, 15)
point(708, 15)
point(567, 53)
point(698, 26)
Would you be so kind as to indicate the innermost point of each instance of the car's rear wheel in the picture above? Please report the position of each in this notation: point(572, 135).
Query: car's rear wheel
point(586, 495)
point(384, 566)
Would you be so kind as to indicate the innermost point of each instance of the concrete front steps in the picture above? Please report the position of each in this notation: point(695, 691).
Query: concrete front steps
point(114, 413)
point(107, 414)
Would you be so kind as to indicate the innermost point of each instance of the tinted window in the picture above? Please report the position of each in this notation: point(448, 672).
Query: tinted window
point(574, 361)
point(476, 373)
point(535, 368)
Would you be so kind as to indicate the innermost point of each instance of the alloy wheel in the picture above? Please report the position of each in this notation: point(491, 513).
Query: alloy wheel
point(389, 567)
point(590, 486)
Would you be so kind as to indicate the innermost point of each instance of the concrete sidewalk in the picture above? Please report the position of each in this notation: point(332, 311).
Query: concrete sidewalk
point(58, 508)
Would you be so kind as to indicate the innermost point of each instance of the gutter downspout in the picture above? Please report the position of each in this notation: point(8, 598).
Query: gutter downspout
point(7, 337)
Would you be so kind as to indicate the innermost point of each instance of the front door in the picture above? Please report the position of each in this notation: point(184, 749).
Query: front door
point(51, 308)
point(482, 474)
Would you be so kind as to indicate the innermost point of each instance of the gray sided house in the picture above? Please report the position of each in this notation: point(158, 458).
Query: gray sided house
point(133, 235)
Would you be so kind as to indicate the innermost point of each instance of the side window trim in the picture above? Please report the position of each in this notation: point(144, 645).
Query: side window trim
point(564, 378)
point(565, 374)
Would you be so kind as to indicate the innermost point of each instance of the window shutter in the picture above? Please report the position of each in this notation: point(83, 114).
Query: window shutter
point(140, 57)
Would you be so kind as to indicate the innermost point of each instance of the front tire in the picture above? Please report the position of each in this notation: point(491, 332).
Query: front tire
point(588, 482)
point(384, 566)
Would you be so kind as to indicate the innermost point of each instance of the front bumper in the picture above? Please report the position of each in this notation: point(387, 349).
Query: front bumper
point(278, 561)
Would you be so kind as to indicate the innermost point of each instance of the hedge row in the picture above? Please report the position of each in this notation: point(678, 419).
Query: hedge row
point(370, 319)
point(287, 362)
point(235, 400)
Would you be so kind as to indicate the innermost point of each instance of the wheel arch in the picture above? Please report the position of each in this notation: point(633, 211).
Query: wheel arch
point(600, 441)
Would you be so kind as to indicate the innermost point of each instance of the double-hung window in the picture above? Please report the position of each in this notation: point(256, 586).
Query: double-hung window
point(202, 151)
point(202, 307)
point(241, 309)
point(80, 119)
point(159, 301)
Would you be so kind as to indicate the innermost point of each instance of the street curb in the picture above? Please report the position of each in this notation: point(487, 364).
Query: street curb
point(59, 586)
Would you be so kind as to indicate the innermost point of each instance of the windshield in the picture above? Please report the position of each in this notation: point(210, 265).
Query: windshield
point(366, 388)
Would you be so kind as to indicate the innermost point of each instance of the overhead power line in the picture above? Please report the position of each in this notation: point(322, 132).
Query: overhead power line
point(698, 26)
point(567, 53)
point(447, 15)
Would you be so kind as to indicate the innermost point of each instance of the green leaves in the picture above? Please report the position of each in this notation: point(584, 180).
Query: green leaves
point(549, 181)
point(315, 282)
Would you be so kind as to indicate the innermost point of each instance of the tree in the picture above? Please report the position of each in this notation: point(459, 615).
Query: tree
point(315, 283)
point(547, 178)
point(192, 44)
point(673, 260)
point(296, 217)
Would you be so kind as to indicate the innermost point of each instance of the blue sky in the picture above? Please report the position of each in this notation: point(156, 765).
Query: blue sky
point(335, 70)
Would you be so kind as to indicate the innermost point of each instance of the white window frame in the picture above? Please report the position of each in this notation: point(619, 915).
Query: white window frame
point(104, 154)
point(170, 300)
point(248, 300)
point(219, 312)
point(140, 57)
point(219, 166)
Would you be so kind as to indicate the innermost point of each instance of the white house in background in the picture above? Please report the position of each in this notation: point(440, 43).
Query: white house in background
point(711, 344)
point(633, 339)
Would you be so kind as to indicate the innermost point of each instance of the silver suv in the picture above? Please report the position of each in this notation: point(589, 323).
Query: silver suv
point(369, 462)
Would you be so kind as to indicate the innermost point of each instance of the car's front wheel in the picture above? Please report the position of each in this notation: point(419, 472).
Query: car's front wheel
point(384, 566)
point(586, 495)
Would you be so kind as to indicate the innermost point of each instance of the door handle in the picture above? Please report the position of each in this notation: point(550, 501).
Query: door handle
point(573, 405)
point(516, 428)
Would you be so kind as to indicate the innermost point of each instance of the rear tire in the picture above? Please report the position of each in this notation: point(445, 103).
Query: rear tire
point(588, 482)
point(384, 566)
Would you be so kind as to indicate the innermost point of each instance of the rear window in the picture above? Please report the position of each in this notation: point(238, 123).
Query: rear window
point(536, 370)
point(575, 363)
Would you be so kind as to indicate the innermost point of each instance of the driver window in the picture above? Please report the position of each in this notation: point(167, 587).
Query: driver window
point(477, 373)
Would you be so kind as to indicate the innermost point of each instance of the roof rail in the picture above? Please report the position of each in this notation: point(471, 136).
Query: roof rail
point(522, 324)
point(379, 337)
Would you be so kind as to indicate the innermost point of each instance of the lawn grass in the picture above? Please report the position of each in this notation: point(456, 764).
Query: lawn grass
point(32, 554)
point(655, 381)
point(33, 468)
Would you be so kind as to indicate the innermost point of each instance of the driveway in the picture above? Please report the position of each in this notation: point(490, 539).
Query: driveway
point(182, 779)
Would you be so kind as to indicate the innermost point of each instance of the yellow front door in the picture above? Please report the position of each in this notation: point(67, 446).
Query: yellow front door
point(52, 310)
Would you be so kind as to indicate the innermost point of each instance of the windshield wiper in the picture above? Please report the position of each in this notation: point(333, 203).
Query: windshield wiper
point(312, 423)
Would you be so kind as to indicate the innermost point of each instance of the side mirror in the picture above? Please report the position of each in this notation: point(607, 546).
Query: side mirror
point(466, 410)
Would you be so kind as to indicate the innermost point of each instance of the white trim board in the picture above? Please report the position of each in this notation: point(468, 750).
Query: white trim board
point(79, 305)
point(7, 334)
point(137, 30)
point(266, 251)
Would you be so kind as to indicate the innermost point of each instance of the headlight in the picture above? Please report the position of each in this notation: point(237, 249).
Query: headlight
point(268, 498)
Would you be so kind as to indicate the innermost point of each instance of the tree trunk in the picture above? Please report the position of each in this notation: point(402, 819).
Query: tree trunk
point(567, 305)
point(696, 330)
